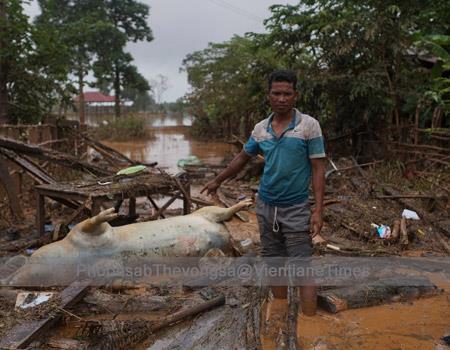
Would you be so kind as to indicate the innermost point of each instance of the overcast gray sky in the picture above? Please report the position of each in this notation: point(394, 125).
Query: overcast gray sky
point(183, 26)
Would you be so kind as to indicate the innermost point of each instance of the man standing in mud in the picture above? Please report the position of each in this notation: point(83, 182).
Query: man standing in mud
point(293, 150)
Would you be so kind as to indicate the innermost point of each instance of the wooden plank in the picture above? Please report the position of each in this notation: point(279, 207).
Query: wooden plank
point(59, 158)
point(24, 334)
point(38, 174)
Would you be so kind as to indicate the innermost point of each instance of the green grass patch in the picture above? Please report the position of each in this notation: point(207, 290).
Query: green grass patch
point(126, 128)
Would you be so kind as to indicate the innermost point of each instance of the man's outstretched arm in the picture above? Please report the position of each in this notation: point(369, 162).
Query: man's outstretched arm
point(236, 165)
point(318, 184)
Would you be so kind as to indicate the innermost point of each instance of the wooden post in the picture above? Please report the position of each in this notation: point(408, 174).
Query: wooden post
point(96, 206)
point(187, 200)
point(416, 125)
point(8, 184)
point(4, 119)
point(132, 207)
point(40, 213)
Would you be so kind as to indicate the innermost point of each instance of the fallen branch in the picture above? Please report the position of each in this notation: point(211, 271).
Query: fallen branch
point(418, 196)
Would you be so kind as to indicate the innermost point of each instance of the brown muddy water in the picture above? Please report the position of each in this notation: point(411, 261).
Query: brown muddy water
point(171, 141)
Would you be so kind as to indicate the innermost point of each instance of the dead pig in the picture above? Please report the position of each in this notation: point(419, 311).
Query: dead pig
point(94, 241)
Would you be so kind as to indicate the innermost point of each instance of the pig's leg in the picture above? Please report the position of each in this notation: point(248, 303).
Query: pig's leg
point(217, 214)
point(96, 225)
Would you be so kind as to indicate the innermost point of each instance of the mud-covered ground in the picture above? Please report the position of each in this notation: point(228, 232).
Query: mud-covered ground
point(352, 207)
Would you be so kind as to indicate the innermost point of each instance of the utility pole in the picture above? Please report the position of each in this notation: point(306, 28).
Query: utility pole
point(3, 65)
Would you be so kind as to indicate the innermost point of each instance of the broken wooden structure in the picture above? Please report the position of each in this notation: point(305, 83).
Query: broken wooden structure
point(92, 194)
point(87, 196)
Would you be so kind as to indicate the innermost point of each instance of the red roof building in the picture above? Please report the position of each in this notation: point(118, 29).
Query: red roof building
point(94, 97)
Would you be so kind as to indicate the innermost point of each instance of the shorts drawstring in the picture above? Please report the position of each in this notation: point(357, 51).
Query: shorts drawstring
point(275, 226)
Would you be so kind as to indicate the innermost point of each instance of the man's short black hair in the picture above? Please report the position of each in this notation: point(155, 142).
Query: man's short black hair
point(283, 75)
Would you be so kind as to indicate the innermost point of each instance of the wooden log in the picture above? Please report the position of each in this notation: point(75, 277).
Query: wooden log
point(423, 147)
point(380, 292)
point(24, 334)
point(192, 311)
point(414, 196)
point(403, 233)
point(395, 231)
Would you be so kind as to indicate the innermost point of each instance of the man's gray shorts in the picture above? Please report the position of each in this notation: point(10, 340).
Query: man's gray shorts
point(284, 230)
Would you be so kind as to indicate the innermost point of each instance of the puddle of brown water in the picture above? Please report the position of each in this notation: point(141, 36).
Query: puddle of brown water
point(171, 144)
point(406, 326)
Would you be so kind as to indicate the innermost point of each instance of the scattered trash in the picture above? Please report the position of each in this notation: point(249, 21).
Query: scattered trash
point(420, 233)
point(246, 245)
point(29, 251)
point(242, 197)
point(409, 214)
point(191, 160)
point(131, 170)
point(333, 247)
point(383, 231)
point(104, 183)
point(26, 300)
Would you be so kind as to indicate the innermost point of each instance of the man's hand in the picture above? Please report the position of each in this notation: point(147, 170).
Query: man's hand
point(316, 223)
point(236, 165)
point(211, 187)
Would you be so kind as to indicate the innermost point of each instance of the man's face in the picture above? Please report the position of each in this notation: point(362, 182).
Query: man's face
point(282, 97)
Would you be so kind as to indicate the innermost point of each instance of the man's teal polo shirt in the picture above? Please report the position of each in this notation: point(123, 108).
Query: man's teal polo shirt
point(287, 169)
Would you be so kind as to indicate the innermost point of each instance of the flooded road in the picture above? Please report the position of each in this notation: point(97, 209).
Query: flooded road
point(169, 142)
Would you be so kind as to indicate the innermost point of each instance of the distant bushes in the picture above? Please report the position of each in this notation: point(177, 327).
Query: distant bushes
point(126, 128)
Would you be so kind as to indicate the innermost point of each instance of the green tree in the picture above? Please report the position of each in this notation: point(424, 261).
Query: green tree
point(79, 25)
point(228, 85)
point(436, 96)
point(33, 77)
point(128, 20)
point(355, 57)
